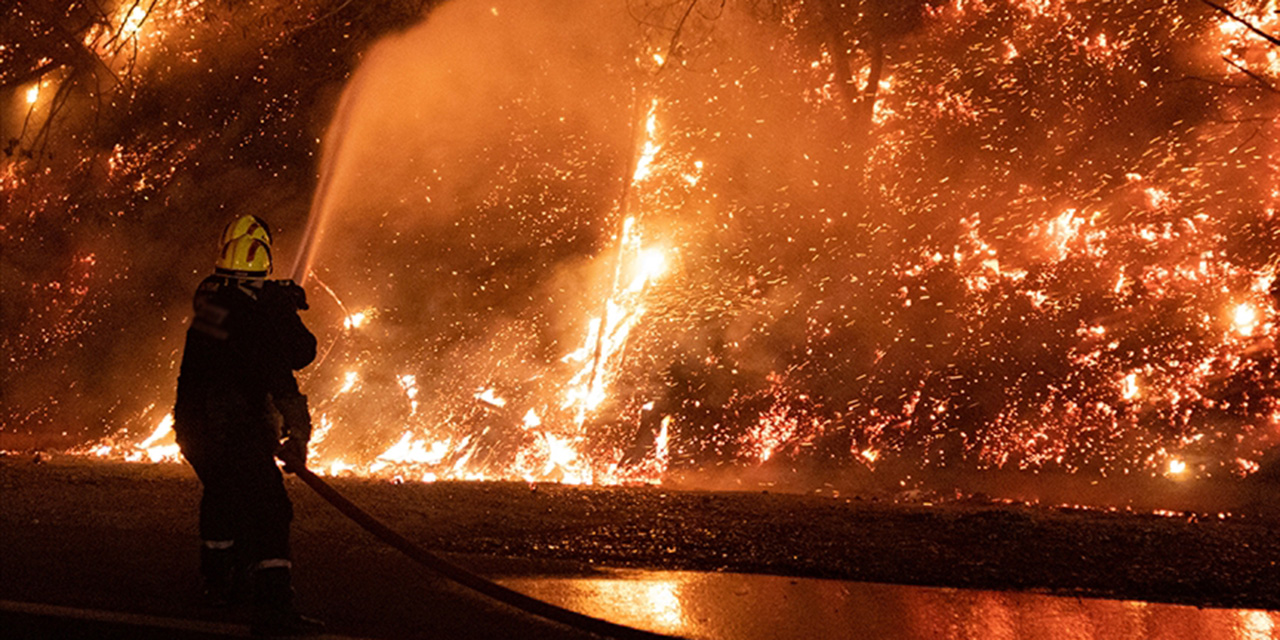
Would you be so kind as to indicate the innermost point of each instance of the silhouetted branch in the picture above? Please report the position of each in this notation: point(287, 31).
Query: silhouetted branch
point(675, 35)
point(1270, 38)
point(1260, 80)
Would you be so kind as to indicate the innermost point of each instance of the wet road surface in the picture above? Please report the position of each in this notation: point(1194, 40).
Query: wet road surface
point(723, 606)
point(114, 542)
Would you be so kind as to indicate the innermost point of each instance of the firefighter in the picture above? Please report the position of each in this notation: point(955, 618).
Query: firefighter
point(239, 408)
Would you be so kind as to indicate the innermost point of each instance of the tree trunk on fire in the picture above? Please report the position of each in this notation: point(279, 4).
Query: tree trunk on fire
point(841, 22)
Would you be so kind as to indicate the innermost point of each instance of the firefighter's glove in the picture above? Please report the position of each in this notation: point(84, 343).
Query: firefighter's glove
point(293, 452)
point(294, 293)
point(296, 415)
point(297, 432)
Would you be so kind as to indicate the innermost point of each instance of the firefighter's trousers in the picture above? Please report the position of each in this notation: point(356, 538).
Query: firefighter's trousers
point(244, 500)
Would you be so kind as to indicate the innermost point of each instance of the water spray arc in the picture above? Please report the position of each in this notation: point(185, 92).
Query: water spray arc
point(335, 139)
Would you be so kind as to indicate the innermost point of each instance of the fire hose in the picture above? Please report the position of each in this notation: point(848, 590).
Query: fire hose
point(464, 577)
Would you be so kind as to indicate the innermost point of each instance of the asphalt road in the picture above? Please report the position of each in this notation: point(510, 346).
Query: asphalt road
point(102, 538)
point(96, 537)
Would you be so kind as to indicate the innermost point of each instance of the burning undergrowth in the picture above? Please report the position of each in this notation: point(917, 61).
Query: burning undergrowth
point(605, 244)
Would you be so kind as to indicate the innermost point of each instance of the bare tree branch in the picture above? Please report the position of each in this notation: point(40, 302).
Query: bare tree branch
point(1260, 80)
point(1270, 38)
point(675, 35)
point(838, 47)
point(875, 50)
point(34, 74)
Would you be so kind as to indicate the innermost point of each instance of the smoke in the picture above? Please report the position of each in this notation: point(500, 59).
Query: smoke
point(478, 206)
point(917, 290)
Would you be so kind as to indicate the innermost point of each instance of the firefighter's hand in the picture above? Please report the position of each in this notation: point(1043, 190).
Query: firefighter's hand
point(294, 293)
point(297, 294)
point(296, 415)
point(293, 452)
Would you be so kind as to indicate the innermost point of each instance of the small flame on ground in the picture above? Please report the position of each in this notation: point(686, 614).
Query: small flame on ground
point(157, 447)
point(411, 451)
point(662, 447)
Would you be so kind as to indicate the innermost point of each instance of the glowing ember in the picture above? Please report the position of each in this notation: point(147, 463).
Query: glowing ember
point(356, 320)
point(133, 23)
point(349, 381)
point(1245, 319)
point(1130, 390)
point(531, 420)
point(410, 385)
point(488, 396)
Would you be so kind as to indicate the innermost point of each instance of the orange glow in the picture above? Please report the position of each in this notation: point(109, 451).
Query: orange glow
point(752, 277)
point(356, 320)
point(1245, 319)
point(1130, 390)
point(133, 22)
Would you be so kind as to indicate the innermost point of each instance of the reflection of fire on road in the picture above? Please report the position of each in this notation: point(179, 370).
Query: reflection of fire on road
point(692, 604)
point(968, 235)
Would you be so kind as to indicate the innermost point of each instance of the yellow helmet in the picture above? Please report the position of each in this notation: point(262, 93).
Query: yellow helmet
point(247, 225)
point(245, 257)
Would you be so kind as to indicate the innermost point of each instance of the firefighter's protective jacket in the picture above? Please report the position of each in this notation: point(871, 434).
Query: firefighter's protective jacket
point(243, 345)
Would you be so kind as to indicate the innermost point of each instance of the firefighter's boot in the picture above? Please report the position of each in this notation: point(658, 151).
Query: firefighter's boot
point(217, 562)
point(273, 612)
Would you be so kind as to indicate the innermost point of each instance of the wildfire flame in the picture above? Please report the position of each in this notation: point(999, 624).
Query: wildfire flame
point(1098, 325)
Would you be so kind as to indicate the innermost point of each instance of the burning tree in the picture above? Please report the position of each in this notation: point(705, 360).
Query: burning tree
point(130, 129)
point(597, 244)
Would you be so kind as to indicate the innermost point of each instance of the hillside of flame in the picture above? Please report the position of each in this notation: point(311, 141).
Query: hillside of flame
point(1042, 240)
